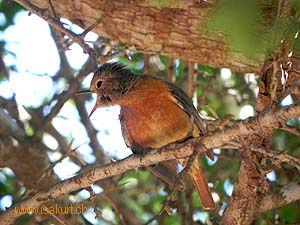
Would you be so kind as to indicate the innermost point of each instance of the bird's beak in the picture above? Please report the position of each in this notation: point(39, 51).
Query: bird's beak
point(87, 92)
point(84, 92)
point(93, 110)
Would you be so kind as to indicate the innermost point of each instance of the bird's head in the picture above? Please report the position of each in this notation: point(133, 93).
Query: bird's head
point(110, 82)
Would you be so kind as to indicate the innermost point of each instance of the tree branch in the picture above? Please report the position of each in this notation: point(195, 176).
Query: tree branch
point(78, 38)
point(277, 157)
point(9, 128)
point(75, 83)
point(56, 24)
point(286, 194)
point(241, 210)
point(265, 120)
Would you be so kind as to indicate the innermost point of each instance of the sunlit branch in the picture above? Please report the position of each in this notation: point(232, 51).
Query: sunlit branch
point(286, 194)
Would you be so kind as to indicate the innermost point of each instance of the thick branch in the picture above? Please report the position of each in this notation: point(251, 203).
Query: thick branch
point(267, 120)
point(177, 32)
point(243, 202)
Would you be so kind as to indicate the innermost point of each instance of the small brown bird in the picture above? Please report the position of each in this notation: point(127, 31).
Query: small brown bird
point(153, 114)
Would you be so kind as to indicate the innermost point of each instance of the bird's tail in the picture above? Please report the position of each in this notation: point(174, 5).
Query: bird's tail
point(199, 181)
point(167, 171)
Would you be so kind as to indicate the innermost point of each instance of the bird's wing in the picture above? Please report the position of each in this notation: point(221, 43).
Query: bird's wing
point(195, 172)
point(126, 136)
point(183, 101)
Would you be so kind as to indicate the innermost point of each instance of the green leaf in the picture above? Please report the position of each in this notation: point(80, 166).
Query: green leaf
point(157, 203)
point(288, 214)
point(173, 219)
point(136, 63)
point(207, 69)
point(196, 200)
point(6, 184)
point(239, 20)
point(247, 27)
point(9, 10)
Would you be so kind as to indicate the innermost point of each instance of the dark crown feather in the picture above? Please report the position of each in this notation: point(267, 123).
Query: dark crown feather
point(113, 69)
point(125, 77)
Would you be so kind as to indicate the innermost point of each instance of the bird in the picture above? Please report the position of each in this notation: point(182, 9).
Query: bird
point(153, 113)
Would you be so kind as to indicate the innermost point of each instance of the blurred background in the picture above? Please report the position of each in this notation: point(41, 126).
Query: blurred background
point(35, 73)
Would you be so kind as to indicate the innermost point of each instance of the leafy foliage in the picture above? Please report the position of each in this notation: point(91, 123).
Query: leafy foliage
point(8, 11)
point(7, 14)
point(241, 21)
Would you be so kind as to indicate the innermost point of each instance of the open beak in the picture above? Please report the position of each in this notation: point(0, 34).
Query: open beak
point(87, 92)
point(83, 92)
point(93, 110)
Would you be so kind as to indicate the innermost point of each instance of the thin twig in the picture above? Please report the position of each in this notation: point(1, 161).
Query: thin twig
point(92, 133)
point(280, 197)
point(91, 27)
point(116, 208)
point(68, 154)
point(78, 38)
point(74, 86)
point(92, 200)
point(278, 158)
point(56, 24)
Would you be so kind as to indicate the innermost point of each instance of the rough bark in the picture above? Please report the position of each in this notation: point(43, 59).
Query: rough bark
point(244, 199)
point(177, 32)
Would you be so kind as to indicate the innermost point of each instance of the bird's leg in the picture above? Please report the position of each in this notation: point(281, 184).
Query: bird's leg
point(144, 152)
point(138, 150)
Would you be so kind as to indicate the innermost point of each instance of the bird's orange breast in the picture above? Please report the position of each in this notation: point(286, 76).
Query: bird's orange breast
point(151, 117)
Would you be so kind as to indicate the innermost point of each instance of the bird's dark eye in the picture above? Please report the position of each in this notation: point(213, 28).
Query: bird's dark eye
point(98, 84)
